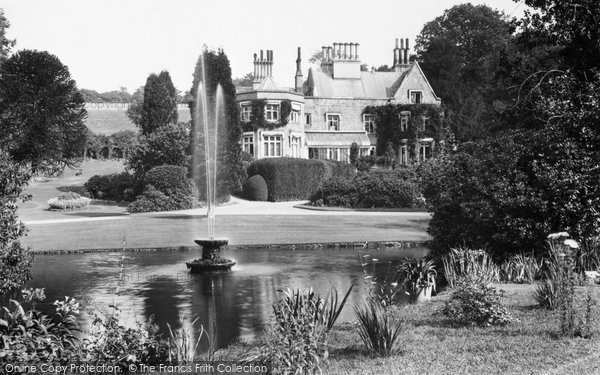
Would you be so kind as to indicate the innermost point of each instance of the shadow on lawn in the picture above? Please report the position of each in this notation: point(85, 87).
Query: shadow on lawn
point(98, 214)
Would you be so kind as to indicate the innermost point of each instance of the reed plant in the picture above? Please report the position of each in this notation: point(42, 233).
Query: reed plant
point(379, 327)
point(478, 265)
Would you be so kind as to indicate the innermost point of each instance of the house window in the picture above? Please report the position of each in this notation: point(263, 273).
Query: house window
point(425, 151)
point(333, 122)
point(272, 145)
point(416, 97)
point(404, 154)
point(295, 116)
point(248, 144)
point(308, 118)
point(245, 113)
point(272, 112)
point(369, 121)
point(404, 117)
point(424, 122)
point(295, 146)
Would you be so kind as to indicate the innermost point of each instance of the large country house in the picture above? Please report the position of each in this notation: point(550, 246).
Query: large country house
point(337, 105)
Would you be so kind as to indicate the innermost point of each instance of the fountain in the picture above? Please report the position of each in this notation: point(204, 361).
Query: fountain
point(211, 260)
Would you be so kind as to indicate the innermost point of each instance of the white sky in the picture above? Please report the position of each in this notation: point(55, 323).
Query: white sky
point(110, 43)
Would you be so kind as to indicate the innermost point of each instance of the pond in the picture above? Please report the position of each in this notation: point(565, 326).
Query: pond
point(232, 306)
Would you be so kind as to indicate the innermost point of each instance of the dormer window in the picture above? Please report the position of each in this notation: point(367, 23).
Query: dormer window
point(272, 112)
point(416, 97)
point(333, 121)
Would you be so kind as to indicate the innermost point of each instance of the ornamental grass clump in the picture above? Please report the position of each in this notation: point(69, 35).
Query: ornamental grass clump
point(475, 264)
point(474, 302)
point(379, 327)
point(69, 201)
point(297, 344)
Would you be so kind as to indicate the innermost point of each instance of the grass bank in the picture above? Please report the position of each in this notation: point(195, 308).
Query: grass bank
point(433, 344)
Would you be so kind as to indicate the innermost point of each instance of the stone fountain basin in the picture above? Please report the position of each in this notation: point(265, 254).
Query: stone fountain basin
point(211, 260)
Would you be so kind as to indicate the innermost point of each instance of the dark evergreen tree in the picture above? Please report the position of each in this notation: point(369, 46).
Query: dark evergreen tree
point(159, 107)
point(41, 111)
point(230, 173)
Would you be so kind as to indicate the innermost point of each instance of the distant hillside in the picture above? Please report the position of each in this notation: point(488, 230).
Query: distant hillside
point(110, 118)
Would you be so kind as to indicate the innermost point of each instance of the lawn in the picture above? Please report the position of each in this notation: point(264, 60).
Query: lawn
point(433, 344)
point(104, 121)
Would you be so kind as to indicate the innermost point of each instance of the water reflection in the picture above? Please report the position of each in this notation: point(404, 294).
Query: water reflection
point(234, 305)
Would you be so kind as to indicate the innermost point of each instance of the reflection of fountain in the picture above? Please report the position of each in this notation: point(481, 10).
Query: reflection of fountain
point(211, 260)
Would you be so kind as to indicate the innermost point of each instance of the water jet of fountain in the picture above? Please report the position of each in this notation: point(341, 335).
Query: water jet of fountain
point(208, 120)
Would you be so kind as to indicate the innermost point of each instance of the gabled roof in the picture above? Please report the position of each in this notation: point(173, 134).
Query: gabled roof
point(380, 85)
point(369, 85)
point(269, 84)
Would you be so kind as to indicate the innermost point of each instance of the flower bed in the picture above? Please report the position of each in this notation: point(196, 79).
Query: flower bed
point(69, 201)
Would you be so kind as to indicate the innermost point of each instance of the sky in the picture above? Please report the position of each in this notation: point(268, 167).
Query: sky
point(110, 44)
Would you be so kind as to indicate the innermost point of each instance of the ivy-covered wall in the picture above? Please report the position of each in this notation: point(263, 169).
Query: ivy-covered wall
point(257, 115)
point(388, 126)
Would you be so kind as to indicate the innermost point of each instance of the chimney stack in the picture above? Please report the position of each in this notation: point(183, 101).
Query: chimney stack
point(401, 55)
point(263, 66)
point(298, 77)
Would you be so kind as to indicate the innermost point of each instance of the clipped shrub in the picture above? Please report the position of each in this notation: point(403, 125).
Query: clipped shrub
point(116, 186)
point(474, 302)
point(153, 200)
point(374, 189)
point(69, 201)
point(293, 178)
point(168, 179)
point(255, 188)
point(379, 327)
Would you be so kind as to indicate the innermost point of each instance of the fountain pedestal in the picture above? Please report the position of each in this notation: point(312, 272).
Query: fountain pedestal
point(211, 260)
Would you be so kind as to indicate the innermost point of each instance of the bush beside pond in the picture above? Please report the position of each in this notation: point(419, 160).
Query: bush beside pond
point(167, 188)
point(374, 189)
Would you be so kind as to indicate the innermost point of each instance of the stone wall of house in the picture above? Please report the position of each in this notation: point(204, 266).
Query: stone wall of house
point(349, 109)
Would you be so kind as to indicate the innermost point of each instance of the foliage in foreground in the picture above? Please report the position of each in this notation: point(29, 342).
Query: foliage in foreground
point(298, 340)
point(15, 261)
point(29, 336)
point(473, 302)
point(379, 327)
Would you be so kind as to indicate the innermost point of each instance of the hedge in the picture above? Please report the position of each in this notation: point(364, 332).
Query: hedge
point(168, 178)
point(116, 186)
point(296, 179)
point(375, 189)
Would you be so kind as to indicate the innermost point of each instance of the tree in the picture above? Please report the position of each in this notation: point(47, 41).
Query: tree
point(230, 173)
point(168, 145)
point(159, 107)
point(245, 81)
point(15, 261)
point(458, 52)
point(41, 111)
point(353, 153)
point(572, 24)
point(5, 43)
